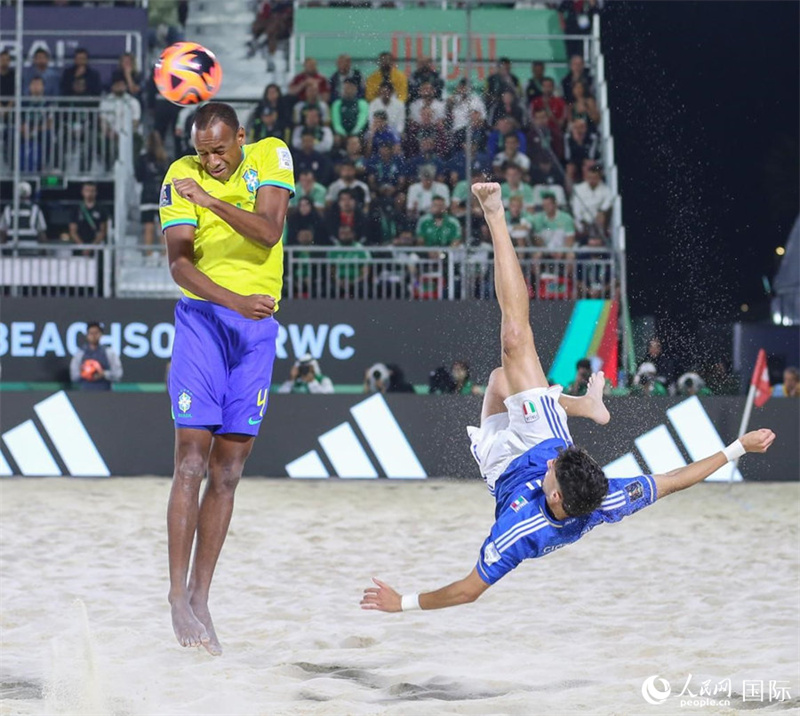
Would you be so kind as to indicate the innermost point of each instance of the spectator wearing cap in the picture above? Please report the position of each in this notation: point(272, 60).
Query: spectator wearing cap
point(502, 78)
point(347, 180)
point(437, 229)
point(40, 67)
point(420, 194)
point(305, 79)
point(534, 87)
point(95, 366)
point(380, 132)
point(323, 136)
point(592, 201)
point(80, 69)
point(306, 156)
point(312, 100)
point(308, 186)
point(386, 167)
point(578, 72)
point(32, 224)
point(387, 72)
point(461, 104)
point(512, 155)
point(515, 186)
point(345, 71)
point(647, 382)
point(427, 99)
point(552, 228)
point(425, 73)
point(579, 147)
point(554, 107)
point(349, 114)
point(393, 108)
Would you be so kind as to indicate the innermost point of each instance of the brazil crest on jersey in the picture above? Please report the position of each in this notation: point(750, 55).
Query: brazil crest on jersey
point(230, 260)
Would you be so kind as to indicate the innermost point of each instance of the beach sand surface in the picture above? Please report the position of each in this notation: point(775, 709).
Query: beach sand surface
point(703, 586)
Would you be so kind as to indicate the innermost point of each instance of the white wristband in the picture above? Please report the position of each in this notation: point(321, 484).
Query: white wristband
point(734, 451)
point(409, 602)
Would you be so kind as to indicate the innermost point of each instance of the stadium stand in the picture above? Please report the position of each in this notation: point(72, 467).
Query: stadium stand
point(468, 94)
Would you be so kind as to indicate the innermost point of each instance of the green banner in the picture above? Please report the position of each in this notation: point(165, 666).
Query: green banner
point(325, 33)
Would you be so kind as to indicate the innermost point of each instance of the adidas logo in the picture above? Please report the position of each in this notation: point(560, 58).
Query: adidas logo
point(347, 455)
point(68, 436)
point(660, 452)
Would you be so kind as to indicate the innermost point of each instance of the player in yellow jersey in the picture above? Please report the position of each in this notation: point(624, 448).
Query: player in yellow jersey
point(223, 214)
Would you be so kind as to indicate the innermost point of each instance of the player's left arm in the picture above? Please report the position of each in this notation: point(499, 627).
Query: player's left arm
point(683, 477)
point(383, 598)
point(264, 225)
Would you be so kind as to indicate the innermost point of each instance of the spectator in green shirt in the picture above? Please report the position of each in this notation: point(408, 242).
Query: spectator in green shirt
point(438, 228)
point(349, 114)
point(307, 185)
point(514, 186)
point(463, 381)
point(552, 228)
point(350, 268)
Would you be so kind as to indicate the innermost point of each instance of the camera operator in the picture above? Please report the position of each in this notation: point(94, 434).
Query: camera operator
point(306, 377)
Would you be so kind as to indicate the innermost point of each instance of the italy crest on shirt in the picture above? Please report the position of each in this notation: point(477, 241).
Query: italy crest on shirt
point(529, 411)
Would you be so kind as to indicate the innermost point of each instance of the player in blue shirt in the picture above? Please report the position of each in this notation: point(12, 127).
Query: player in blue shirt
point(548, 492)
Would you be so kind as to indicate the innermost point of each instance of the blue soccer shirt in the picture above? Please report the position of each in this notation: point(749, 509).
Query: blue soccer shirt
point(524, 529)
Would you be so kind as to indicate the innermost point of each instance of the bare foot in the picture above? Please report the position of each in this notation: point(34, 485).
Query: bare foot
point(189, 631)
point(594, 392)
point(488, 194)
point(200, 609)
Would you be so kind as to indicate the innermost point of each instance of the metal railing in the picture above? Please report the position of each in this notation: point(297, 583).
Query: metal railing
point(70, 137)
point(333, 273)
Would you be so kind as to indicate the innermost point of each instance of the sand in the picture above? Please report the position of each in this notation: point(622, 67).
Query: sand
point(705, 583)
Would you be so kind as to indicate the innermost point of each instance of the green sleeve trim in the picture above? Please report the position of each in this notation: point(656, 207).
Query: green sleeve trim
point(275, 182)
point(178, 222)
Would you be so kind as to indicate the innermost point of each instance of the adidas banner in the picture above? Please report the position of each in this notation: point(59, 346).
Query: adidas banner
point(38, 336)
point(369, 437)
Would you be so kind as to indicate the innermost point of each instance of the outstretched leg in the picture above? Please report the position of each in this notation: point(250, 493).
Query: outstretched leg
point(225, 466)
point(590, 405)
point(521, 366)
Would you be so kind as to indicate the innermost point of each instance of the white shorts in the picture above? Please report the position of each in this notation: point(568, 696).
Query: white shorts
point(532, 417)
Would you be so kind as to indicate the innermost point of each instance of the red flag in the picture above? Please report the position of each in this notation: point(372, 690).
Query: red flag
point(760, 380)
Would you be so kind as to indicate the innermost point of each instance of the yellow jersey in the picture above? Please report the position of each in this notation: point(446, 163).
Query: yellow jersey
point(227, 258)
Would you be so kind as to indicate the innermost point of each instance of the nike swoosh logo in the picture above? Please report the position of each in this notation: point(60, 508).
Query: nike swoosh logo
point(254, 422)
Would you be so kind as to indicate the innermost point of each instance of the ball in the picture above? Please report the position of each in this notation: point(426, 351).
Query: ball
point(187, 73)
point(90, 368)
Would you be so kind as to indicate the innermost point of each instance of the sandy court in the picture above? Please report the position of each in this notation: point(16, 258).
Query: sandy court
point(705, 583)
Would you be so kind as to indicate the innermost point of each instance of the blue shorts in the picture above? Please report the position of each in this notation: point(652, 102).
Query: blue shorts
point(221, 368)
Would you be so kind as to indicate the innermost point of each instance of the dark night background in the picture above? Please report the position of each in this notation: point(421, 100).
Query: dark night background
point(704, 114)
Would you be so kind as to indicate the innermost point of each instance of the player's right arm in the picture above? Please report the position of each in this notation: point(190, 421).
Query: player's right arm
point(383, 598)
point(180, 255)
point(683, 477)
